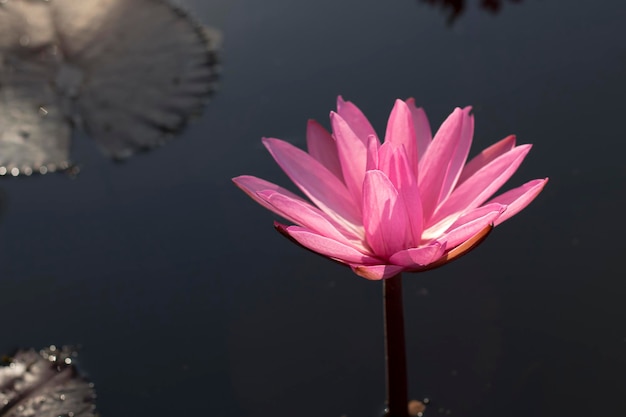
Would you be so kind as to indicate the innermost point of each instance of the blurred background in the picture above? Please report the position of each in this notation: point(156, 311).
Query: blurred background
point(186, 302)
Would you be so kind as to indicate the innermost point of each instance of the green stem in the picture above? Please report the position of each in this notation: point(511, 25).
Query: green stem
point(395, 349)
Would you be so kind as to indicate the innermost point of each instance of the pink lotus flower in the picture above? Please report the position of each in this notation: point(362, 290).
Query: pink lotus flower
point(409, 204)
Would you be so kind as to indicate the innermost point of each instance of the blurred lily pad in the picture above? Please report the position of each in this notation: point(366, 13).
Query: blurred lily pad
point(44, 384)
point(129, 72)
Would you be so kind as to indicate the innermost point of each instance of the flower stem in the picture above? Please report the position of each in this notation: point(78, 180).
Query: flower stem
point(395, 350)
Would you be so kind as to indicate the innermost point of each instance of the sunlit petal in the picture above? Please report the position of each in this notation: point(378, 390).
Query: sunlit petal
point(400, 132)
point(384, 215)
point(355, 118)
point(517, 199)
point(352, 154)
point(305, 215)
point(486, 156)
point(321, 146)
point(486, 181)
point(470, 224)
point(253, 185)
point(318, 183)
point(326, 246)
point(433, 167)
point(417, 257)
point(459, 156)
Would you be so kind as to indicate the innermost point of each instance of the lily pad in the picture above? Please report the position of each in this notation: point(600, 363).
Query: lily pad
point(131, 73)
point(44, 384)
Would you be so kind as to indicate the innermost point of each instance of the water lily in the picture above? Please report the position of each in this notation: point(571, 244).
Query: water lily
point(410, 203)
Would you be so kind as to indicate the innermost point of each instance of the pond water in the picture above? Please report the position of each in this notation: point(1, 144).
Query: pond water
point(184, 300)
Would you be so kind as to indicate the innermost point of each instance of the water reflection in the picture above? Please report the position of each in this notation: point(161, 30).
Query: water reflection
point(455, 8)
point(129, 72)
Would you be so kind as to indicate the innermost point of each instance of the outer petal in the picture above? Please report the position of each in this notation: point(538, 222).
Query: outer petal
point(400, 132)
point(318, 183)
point(326, 246)
point(376, 272)
point(253, 185)
point(322, 146)
point(518, 198)
point(312, 218)
point(480, 186)
point(434, 164)
point(486, 156)
point(355, 119)
point(417, 257)
point(384, 215)
point(352, 151)
point(470, 224)
point(423, 133)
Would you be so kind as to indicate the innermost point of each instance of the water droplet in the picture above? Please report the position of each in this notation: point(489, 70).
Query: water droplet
point(43, 112)
point(3, 171)
point(15, 172)
point(24, 40)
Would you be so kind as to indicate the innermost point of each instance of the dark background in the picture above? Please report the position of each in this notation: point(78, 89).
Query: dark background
point(186, 302)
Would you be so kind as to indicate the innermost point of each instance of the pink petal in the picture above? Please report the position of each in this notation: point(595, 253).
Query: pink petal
point(400, 132)
point(322, 146)
point(460, 155)
point(416, 257)
point(305, 215)
point(326, 246)
point(253, 185)
point(421, 126)
point(384, 215)
point(355, 119)
point(471, 223)
point(324, 189)
point(394, 163)
point(486, 156)
point(376, 272)
point(352, 154)
point(461, 250)
point(373, 145)
point(480, 186)
point(518, 198)
point(433, 167)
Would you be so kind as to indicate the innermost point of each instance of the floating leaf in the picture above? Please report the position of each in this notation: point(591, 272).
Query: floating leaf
point(44, 384)
point(130, 72)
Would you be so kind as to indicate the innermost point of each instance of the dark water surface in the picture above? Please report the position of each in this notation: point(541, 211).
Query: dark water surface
point(187, 303)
